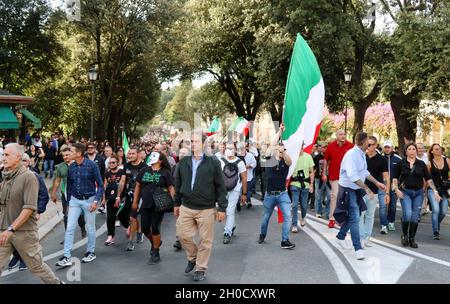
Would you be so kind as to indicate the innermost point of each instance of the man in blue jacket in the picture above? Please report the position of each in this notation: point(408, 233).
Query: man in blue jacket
point(43, 199)
point(393, 159)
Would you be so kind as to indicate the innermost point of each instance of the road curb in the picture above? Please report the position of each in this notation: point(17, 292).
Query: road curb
point(47, 227)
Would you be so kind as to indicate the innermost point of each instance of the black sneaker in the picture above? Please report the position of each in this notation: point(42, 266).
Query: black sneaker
point(130, 246)
point(436, 235)
point(287, 245)
point(61, 243)
point(261, 238)
point(226, 238)
point(249, 205)
point(139, 237)
point(64, 262)
point(238, 207)
point(177, 245)
point(190, 266)
point(154, 257)
point(232, 230)
point(88, 257)
point(199, 276)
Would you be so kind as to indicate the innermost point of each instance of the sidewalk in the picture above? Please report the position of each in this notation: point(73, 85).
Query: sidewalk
point(52, 215)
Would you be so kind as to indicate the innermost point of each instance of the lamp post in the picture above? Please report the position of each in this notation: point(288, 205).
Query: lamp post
point(93, 74)
point(348, 78)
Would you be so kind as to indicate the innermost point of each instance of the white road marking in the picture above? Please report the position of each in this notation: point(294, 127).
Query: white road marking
point(398, 248)
point(59, 253)
point(342, 273)
point(381, 266)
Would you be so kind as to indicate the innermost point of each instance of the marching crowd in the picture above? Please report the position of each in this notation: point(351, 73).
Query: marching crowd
point(201, 182)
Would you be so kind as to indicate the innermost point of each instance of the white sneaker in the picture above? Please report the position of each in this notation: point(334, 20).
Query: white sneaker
point(368, 243)
point(384, 230)
point(294, 229)
point(303, 222)
point(117, 223)
point(363, 245)
point(318, 215)
point(360, 255)
point(342, 244)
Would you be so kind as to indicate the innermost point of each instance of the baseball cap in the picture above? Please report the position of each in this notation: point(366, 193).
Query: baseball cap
point(154, 157)
point(388, 143)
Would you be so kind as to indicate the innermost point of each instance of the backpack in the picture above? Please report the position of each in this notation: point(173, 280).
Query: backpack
point(230, 174)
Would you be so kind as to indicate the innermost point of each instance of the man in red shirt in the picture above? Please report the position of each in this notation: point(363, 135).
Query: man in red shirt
point(332, 163)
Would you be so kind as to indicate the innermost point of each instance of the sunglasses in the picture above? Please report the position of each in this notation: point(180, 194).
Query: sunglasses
point(112, 163)
point(370, 145)
point(90, 148)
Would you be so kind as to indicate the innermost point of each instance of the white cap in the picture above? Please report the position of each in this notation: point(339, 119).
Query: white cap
point(154, 158)
point(388, 143)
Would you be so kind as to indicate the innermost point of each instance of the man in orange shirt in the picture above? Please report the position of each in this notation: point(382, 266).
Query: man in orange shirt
point(332, 163)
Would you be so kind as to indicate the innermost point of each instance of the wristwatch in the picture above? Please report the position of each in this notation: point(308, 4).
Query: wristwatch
point(11, 229)
point(244, 193)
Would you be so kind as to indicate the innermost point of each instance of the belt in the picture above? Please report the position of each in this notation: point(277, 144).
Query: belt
point(83, 197)
point(275, 192)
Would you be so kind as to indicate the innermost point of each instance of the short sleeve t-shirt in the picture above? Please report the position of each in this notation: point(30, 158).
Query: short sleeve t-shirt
point(241, 168)
point(318, 165)
point(304, 163)
point(150, 180)
point(334, 155)
point(112, 182)
point(376, 165)
point(62, 170)
point(131, 172)
point(276, 175)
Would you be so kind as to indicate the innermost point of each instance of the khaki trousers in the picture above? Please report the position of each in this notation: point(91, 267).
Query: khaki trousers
point(189, 223)
point(27, 244)
point(334, 192)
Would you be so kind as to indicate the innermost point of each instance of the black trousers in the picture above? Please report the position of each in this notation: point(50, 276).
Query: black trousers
point(151, 221)
point(124, 214)
point(111, 212)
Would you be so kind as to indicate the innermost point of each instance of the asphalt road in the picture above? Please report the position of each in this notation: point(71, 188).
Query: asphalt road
point(315, 259)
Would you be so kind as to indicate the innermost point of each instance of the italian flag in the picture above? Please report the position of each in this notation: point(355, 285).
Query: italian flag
point(214, 127)
point(303, 102)
point(240, 125)
point(125, 145)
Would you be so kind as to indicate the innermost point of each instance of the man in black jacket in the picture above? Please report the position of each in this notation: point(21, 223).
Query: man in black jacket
point(199, 184)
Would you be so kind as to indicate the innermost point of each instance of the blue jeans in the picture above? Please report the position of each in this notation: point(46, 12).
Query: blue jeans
point(392, 208)
point(49, 164)
point(284, 203)
point(352, 223)
point(320, 193)
point(76, 207)
point(384, 210)
point(367, 217)
point(302, 194)
point(439, 210)
point(411, 205)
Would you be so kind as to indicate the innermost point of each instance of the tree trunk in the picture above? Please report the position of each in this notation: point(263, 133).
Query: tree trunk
point(361, 108)
point(406, 125)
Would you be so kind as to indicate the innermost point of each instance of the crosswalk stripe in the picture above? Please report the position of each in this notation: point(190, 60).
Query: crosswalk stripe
point(381, 266)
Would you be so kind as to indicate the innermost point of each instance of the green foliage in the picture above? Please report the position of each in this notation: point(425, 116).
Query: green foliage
point(177, 109)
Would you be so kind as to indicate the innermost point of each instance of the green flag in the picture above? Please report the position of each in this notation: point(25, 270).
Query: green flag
point(125, 145)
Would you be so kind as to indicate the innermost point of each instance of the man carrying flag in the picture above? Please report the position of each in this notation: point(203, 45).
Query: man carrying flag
point(277, 168)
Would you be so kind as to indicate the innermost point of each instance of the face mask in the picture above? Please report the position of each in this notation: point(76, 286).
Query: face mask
point(229, 152)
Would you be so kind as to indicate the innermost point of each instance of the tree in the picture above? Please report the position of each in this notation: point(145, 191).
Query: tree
point(418, 58)
point(28, 48)
point(210, 101)
point(177, 109)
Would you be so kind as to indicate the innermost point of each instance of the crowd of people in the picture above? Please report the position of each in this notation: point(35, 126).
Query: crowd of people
point(201, 181)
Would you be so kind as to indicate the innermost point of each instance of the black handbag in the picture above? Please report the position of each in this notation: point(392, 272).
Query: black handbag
point(163, 201)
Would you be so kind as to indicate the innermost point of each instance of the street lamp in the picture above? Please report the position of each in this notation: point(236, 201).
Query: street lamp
point(93, 74)
point(348, 78)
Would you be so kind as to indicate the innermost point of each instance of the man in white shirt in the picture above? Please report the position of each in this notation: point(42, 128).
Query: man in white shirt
point(221, 152)
point(108, 152)
point(235, 174)
point(352, 176)
point(250, 163)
